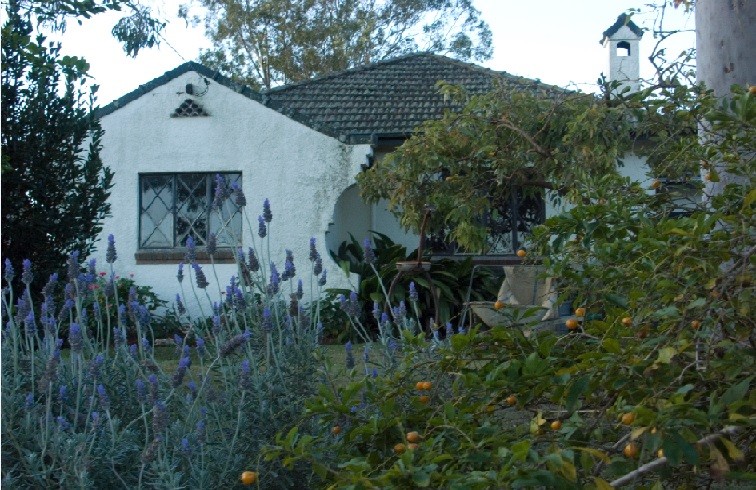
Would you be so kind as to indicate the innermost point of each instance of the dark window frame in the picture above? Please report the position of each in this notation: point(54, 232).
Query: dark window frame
point(513, 223)
point(178, 238)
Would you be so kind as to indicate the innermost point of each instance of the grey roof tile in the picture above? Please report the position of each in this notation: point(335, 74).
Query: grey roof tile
point(392, 96)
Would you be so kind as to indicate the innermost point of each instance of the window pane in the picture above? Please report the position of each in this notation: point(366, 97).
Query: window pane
point(156, 218)
point(192, 203)
point(531, 211)
point(226, 222)
point(499, 222)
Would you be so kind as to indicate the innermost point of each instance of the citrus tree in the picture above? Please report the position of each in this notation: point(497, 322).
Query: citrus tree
point(652, 385)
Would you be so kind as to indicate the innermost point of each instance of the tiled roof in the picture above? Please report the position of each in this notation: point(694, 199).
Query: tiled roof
point(390, 97)
point(622, 20)
point(387, 97)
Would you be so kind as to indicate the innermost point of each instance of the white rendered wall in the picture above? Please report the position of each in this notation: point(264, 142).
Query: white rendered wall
point(354, 216)
point(301, 171)
point(385, 222)
point(625, 69)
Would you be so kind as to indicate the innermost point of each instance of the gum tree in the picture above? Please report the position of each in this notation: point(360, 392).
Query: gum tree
point(269, 42)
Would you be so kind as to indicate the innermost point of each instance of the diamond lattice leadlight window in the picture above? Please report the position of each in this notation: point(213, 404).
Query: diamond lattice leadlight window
point(178, 205)
point(509, 221)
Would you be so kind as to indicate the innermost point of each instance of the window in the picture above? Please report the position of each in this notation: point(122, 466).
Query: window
point(682, 196)
point(508, 222)
point(175, 206)
point(623, 49)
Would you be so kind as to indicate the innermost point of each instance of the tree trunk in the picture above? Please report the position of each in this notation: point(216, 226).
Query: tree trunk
point(725, 55)
point(725, 43)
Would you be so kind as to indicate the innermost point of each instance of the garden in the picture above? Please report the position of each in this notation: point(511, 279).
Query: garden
point(286, 383)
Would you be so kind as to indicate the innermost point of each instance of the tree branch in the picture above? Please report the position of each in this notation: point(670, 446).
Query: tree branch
point(623, 480)
point(504, 121)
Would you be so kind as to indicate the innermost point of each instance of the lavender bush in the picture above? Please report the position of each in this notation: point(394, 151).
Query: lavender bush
point(84, 408)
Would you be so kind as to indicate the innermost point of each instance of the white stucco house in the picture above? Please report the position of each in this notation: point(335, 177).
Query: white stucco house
point(300, 146)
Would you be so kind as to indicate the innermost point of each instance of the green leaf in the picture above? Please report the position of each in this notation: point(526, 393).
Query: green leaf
point(602, 484)
point(617, 300)
point(576, 390)
point(520, 450)
point(666, 354)
point(736, 392)
point(611, 345)
point(421, 478)
point(669, 311)
point(697, 303)
point(732, 450)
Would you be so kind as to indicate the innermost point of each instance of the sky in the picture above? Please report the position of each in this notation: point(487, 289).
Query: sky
point(556, 41)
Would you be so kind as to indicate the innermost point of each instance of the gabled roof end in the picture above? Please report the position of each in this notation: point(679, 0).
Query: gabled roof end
point(622, 20)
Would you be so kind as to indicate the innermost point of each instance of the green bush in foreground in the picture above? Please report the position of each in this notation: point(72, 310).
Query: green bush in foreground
point(651, 389)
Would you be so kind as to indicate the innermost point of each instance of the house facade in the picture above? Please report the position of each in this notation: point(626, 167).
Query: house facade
point(299, 146)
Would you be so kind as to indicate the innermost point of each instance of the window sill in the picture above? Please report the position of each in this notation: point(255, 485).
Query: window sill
point(168, 256)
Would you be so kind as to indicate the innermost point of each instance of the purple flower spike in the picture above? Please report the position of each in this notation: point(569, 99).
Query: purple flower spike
point(29, 401)
point(253, 263)
point(178, 376)
point(413, 296)
point(262, 230)
point(186, 448)
point(313, 250)
point(199, 276)
point(289, 269)
point(240, 200)
point(26, 273)
point(110, 254)
point(200, 345)
point(75, 339)
point(141, 390)
point(9, 272)
point(180, 305)
point(103, 396)
point(368, 249)
point(267, 324)
point(275, 278)
point(221, 191)
point(191, 250)
point(267, 214)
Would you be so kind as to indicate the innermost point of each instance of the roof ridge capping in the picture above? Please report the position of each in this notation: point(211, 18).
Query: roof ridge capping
point(623, 19)
point(166, 77)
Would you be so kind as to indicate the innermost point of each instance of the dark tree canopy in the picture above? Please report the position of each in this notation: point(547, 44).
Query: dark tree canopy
point(54, 184)
point(137, 28)
point(269, 42)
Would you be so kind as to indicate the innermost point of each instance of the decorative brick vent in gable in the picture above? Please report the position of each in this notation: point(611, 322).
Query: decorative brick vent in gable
point(189, 108)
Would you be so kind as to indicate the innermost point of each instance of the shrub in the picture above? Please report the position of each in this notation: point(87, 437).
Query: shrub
point(377, 268)
point(89, 415)
point(660, 359)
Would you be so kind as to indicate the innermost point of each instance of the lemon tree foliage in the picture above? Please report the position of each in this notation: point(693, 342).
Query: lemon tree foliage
point(667, 330)
point(268, 42)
